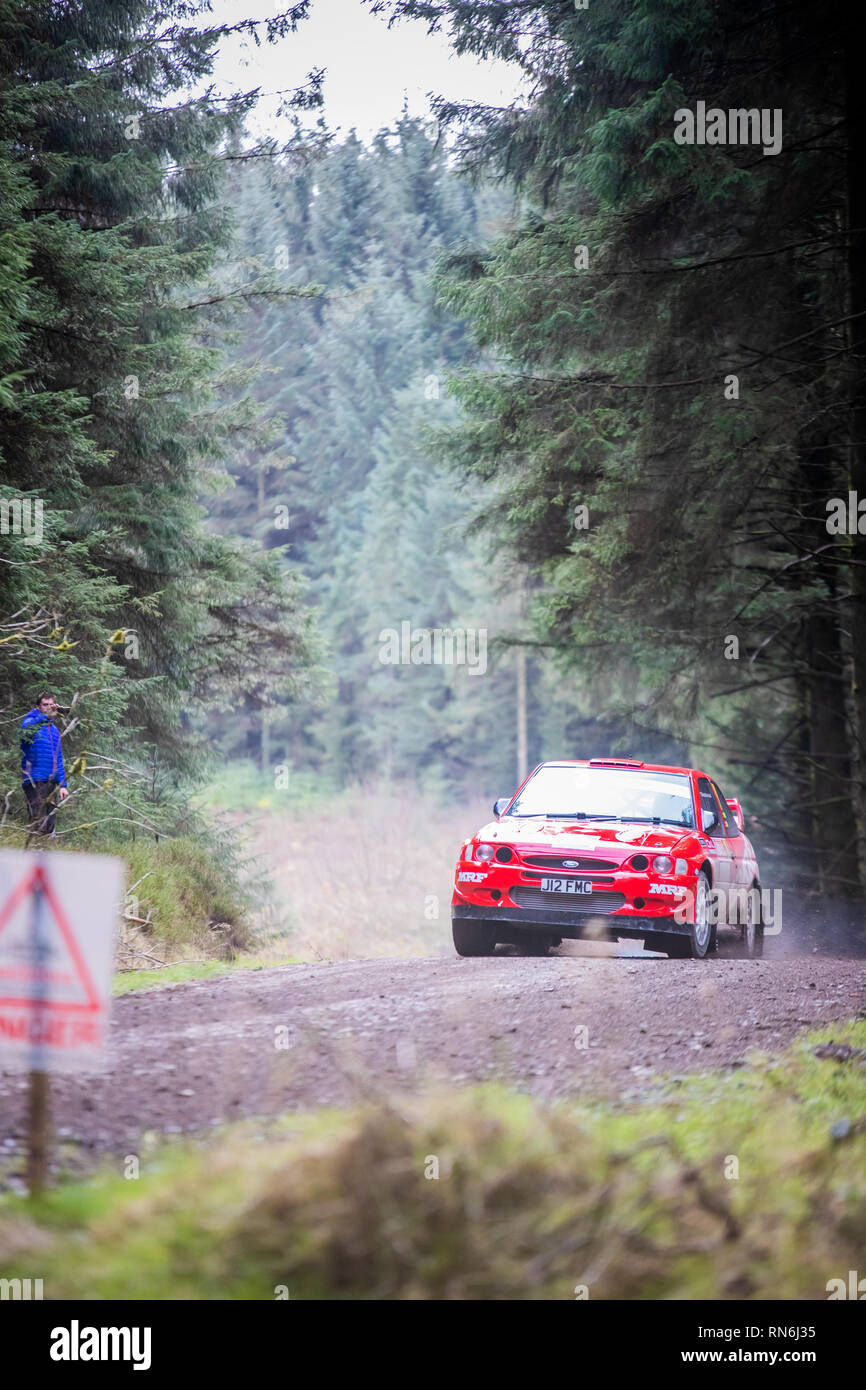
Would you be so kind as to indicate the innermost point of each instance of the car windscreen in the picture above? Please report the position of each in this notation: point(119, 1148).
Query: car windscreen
point(604, 792)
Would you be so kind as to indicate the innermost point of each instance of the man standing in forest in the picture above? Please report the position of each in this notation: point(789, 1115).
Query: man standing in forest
point(43, 775)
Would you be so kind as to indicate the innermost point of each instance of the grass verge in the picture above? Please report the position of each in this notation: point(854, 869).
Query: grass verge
point(744, 1184)
point(134, 981)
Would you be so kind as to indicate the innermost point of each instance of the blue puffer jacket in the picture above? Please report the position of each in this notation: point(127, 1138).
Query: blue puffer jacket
point(41, 754)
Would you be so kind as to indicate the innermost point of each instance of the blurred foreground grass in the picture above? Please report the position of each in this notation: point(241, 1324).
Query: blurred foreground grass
point(530, 1201)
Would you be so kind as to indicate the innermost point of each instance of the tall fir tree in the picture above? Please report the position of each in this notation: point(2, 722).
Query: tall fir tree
point(113, 305)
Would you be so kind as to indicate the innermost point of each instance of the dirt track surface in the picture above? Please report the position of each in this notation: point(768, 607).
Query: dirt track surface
point(187, 1056)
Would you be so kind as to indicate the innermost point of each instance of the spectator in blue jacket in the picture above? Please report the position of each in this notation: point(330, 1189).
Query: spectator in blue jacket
point(43, 775)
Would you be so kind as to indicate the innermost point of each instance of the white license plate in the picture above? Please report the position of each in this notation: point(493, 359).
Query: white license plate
point(566, 885)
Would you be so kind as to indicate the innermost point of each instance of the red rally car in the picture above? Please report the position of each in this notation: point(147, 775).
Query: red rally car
point(606, 848)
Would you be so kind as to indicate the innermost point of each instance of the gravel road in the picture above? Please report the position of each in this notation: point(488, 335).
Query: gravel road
point(576, 1023)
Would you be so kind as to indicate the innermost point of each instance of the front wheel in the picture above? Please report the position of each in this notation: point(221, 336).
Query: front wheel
point(699, 940)
point(473, 938)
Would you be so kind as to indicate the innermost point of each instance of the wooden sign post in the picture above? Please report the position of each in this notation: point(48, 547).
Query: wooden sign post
point(58, 918)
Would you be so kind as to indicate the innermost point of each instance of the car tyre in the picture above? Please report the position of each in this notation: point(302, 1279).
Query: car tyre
point(473, 938)
point(698, 943)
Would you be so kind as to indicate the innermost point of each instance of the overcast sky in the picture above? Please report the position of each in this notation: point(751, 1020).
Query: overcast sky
point(370, 68)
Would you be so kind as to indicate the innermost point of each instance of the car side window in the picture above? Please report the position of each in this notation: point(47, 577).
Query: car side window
point(709, 804)
point(729, 820)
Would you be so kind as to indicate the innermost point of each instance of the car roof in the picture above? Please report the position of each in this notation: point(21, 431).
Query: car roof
point(623, 765)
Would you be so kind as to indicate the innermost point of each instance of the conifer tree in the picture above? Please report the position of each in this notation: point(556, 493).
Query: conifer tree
point(117, 410)
point(676, 353)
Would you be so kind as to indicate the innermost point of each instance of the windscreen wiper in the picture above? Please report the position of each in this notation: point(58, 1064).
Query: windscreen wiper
point(655, 820)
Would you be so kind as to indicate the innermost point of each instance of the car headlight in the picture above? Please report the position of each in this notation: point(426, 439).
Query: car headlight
point(483, 853)
point(681, 867)
point(663, 864)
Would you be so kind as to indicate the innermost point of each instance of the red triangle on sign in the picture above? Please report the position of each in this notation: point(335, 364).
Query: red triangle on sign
point(37, 878)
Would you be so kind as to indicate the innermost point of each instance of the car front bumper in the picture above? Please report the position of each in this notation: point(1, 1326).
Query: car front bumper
point(623, 902)
point(570, 924)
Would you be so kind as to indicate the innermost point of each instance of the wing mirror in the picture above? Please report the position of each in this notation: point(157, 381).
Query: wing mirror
point(709, 821)
point(500, 804)
point(738, 812)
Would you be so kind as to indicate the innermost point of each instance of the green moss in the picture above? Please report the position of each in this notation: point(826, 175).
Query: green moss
point(190, 887)
point(133, 981)
point(185, 889)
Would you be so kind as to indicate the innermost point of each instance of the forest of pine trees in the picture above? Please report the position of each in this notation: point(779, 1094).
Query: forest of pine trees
point(679, 340)
point(119, 413)
point(357, 486)
point(541, 371)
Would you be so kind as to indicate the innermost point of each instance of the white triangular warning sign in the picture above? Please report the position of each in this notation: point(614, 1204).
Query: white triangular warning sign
point(41, 963)
point(58, 918)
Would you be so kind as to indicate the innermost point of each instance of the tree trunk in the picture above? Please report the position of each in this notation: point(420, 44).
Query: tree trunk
point(856, 240)
point(834, 867)
point(266, 746)
point(522, 755)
